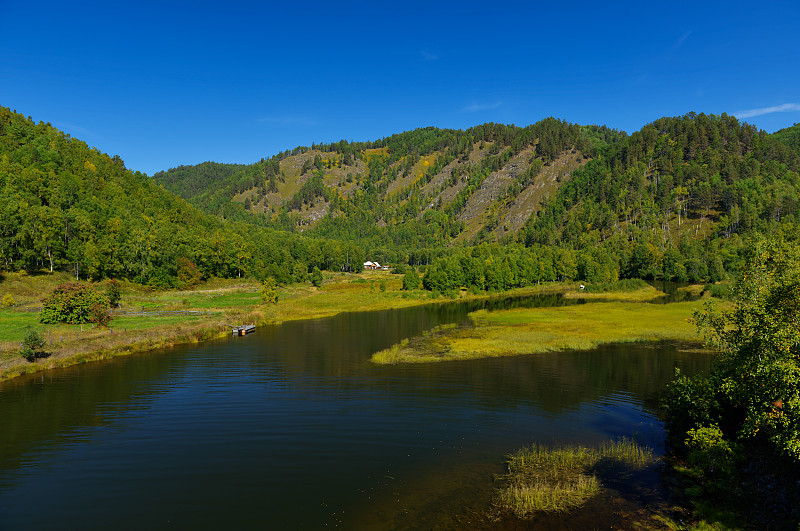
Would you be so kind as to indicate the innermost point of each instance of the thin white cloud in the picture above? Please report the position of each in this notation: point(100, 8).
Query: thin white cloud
point(71, 128)
point(786, 107)
point(287, 120)
point(428, 56)
point(681, 40)
point(477, 107)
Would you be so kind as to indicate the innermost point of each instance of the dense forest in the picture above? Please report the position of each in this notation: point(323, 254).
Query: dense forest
point(491, 207)
point(789, 136)
point(65, 206)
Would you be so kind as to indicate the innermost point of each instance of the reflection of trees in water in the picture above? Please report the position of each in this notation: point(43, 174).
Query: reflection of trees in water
point(325, 359)
point(339, 348)
point(61, 402)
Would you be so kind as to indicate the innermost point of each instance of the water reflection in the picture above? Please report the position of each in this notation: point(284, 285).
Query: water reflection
point(293, 427)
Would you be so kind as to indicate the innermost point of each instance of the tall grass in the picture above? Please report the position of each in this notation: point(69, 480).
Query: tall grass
point(626, 284)
point(542, 478)
point(535, 330)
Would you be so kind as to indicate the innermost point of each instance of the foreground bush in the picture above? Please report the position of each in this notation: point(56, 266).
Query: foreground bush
point(32, 345)
point(746, 412)
point(75, 303)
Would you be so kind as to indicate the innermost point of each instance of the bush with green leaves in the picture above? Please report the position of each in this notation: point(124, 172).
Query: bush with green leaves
point(75, 303)
point(269, 291)
point(113, 292)
point(411, 280)
point(753, 391)
point(714, 458)
point(188, 273)
point(32, 345)
point(316, 277)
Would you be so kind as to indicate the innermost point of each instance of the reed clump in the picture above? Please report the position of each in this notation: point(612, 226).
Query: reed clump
point(553, 479)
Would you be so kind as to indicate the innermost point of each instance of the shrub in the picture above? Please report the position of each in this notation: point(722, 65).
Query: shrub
point(32, 345)
point(188, 274)
point(269, 291)
point(75, 303)
point(113, 292)
point(690, 402)
point(8, 300)
point(411, 280)
point(711, 452)
point(720, 291)
point(628, 284)
point(316, 277)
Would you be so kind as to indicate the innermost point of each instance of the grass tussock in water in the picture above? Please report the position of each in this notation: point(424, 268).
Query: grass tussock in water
point(536, 330)
point(624, 285)
point(542, 478)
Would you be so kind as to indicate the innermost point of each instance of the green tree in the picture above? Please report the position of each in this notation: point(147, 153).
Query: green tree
point(113, 292)
point(188, 273)
point(269, 291)
point(411, 280)
point(753, 391)
point(316, 277)
point(75, 303)
point(32, 345)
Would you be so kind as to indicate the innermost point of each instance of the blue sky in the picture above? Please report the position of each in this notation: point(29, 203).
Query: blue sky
point(168, 83)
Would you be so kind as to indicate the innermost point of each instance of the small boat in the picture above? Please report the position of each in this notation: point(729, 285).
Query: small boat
point(243, 329)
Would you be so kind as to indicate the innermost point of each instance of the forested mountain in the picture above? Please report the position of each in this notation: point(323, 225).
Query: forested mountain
point(669, 201)
point(491, 207)
point(419, 188)
point(65, 206)
point(789, 136)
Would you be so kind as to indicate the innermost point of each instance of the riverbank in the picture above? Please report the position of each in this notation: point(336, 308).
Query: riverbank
point(536, 330)
point(206, 313)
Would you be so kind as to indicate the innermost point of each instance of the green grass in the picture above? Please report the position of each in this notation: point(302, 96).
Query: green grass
point(542, 478)
point(534, 330)
point(628, 284)
point(224, 301)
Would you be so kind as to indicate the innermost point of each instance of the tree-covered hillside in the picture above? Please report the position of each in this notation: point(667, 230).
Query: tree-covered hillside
point(65, 206)
point(672, 200)
point(789, 136)
point(492, 207)
point(672, 195)
point(419, 188)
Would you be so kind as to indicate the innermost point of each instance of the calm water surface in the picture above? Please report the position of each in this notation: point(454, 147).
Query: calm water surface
point(293, 428)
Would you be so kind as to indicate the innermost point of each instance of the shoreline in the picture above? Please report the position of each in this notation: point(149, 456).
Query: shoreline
point(538, 330)
point(352, 293)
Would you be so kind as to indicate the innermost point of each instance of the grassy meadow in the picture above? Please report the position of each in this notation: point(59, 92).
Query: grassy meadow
point(535, 330)
point(220, 302)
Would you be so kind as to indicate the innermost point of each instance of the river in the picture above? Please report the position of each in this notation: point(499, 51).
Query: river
point(293, 427)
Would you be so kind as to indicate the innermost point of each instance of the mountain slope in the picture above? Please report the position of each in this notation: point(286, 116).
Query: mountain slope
point(789, 136)
point(65, 206)
point(470, 179)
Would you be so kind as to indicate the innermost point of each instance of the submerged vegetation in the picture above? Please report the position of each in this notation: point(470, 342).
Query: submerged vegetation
point(542, 478)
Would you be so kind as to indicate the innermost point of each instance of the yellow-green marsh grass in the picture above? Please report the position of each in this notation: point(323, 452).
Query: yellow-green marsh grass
point(639, 295)
point(233, 301)
point(542, 478)
point(534, 330)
